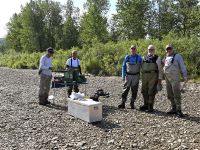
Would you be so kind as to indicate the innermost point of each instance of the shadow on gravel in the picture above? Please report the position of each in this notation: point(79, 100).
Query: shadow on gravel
point(107, 110)
point(56, 106)
point(186, 117)
point(192, 118)
point(106, 125)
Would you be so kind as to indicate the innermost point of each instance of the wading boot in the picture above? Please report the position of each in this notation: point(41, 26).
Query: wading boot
point(150, 108)
point(180, 114)
point(143, 108)
point(132, 105)
point(172, 112)
point(121, 106)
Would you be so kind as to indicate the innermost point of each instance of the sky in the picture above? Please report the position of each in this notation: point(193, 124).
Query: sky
point(9, 7)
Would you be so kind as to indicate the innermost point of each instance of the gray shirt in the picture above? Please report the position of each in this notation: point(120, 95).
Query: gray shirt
point(178, 62)
point(45, 63)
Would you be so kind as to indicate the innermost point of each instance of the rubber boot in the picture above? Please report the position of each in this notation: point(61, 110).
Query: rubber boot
point(172, 111)
point(150, 108)
point(121, 106)
point(132, 105)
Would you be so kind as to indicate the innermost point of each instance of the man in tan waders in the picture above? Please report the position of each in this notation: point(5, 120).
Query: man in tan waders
point(130, 74)
point(151, 78)
point(45, 72)
point(173, 64)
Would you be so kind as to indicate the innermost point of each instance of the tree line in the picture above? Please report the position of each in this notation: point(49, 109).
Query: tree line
point(44, 23)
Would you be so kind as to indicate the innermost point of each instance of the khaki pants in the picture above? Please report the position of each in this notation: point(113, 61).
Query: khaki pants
point(45, 82)
point(174, 93)
point(149, 83)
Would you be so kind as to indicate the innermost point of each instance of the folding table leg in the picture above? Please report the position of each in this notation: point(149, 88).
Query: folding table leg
point(65, 93)
point(54, 85)
point(85, 89)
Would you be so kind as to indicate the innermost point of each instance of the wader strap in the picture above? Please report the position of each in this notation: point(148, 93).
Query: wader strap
point(136, 58)
point(71, 62)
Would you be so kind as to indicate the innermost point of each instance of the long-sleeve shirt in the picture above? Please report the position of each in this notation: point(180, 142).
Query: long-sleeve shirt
point(160, 69)
point(178, 62)
point(45, 63)
point(132, 59)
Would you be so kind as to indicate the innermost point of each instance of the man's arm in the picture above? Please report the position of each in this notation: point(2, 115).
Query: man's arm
point(42, 64)
point(124, 68)
point(182, 67)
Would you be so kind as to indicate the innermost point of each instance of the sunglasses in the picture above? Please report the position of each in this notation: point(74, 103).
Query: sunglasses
point(133, 48)
point(151, 49)
point(169, 48)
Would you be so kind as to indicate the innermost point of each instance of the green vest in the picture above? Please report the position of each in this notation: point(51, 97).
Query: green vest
point(149, 64)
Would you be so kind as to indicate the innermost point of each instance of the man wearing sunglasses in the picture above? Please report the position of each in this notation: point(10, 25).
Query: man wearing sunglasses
point(45, 72)
point(173, 65)
point(152, 75)
point(130, 74)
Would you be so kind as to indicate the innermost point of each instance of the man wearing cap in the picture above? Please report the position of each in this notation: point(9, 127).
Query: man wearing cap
point(151, 78)
point(173, 64)
point(45, 72)
point(73, 63)
point(130, 74)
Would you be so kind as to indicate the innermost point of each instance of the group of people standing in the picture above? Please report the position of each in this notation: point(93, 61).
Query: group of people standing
point(153, 70)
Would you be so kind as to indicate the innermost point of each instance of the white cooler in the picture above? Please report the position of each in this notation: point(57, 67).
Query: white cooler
point(87, 110)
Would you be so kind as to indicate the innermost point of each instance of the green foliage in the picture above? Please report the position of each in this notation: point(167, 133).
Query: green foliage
point(131, 17)
point(106, 59)
point(93, 26)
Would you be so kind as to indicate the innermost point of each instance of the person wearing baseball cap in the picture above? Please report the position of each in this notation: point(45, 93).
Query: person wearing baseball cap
point(131, 75)
point(173, 65)
point(151, 77)
point(45, 72)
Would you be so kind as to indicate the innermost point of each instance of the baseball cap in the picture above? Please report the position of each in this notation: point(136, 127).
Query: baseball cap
point(50, 50)
point(169, 46)
point(133, 46)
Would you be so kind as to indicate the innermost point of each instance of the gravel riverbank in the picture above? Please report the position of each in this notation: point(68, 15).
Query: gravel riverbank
point(26, 125)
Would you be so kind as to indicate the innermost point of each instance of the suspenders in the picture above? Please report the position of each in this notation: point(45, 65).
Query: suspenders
point(72, 60)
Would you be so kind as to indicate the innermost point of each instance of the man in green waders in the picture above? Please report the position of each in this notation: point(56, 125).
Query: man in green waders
point(73, 64)
point(151, 78)
point(173, 65)
point(130, 74)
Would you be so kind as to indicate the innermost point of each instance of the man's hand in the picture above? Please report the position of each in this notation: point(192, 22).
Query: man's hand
point(185, 79)
point(159, 87)
point(159, 81)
